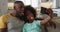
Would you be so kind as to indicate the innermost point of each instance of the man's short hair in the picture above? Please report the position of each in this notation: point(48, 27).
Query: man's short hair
point(47, 0)
point(19, 2)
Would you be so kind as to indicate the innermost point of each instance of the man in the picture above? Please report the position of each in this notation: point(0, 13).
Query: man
point(13, 22)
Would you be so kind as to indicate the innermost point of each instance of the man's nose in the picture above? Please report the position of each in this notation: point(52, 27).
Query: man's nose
point(23, 9)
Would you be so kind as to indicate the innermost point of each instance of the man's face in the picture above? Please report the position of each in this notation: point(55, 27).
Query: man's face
point(19, 10)
point(19, 7)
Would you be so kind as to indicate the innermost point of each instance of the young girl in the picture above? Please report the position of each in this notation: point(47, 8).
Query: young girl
point(31, 24)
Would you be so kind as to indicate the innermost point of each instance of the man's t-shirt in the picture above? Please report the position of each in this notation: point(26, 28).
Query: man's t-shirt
point(13, 24)
point(32, 27)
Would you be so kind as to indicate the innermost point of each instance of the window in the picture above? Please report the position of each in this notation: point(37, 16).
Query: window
point(33, 3)
point(27, 2)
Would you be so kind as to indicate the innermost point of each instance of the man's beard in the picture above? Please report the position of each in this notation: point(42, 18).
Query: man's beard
point(18, 15)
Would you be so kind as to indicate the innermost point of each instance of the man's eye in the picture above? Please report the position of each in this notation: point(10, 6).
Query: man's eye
point(21, 6)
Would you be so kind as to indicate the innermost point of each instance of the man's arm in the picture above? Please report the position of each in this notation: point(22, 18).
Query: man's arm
point(3, 20)
point(3, 29)
point(45, 20)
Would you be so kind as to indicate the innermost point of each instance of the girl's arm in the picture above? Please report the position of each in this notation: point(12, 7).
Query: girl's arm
point(45, 20)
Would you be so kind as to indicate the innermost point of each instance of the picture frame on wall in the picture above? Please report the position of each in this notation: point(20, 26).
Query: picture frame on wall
point(10, 5)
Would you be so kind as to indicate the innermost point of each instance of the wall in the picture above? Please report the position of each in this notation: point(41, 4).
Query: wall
point(3, 7)
point(58, 3)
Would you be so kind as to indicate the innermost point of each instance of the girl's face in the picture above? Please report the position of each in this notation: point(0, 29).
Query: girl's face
point(30, 16)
